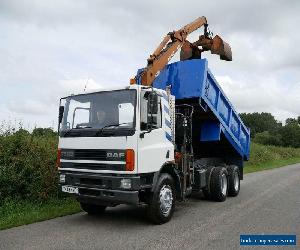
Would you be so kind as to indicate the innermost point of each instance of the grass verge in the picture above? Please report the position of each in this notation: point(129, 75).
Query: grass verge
point(264, 157)
point(17, 213)
point(270, 165)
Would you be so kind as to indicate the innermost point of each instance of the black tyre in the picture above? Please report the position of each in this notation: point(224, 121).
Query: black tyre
point(219, 184)
point(92, 209)
point(233, 180)
point(205, 191)
point(162, 201)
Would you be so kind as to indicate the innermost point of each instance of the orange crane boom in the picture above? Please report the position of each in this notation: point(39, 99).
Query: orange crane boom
point(176, 40)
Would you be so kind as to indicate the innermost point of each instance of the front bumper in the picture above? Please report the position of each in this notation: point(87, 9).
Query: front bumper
point(102, 188)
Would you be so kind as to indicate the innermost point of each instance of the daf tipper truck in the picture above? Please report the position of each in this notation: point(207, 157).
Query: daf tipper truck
point(170, 133)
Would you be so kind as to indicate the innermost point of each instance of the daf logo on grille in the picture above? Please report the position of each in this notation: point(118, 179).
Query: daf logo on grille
point(115, 155)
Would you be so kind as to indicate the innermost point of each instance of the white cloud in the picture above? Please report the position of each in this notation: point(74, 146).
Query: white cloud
point(74, 86)
point(32, 107)
point(49, 49)
point(262, 94)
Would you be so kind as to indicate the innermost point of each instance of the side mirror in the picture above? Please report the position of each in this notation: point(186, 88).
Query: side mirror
point(152, 112)
point(61, 113)
point(152, 103)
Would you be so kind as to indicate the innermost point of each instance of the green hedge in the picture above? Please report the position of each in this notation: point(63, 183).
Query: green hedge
point(267, 157)
point(260, 154)
point(28, 166)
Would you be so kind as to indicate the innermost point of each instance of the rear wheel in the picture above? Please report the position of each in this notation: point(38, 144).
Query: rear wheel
point(206, 191)
point(92, 209)
point(233, 180)
point(219, 184)
point(162, 200)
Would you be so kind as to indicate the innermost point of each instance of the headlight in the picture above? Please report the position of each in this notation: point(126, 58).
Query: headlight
point(126, 183)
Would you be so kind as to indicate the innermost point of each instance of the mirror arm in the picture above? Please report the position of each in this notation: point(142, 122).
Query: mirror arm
point(142, 135)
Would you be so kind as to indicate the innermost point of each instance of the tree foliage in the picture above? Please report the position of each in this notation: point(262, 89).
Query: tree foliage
point(267, 138)
point(260, 122)
point(28, 165)
point(43, 132)
point(266, 130)
point(290, 134)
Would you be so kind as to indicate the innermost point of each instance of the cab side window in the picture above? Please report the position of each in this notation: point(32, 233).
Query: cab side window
point(148, 119)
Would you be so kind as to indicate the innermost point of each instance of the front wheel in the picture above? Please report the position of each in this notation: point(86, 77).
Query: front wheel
point(92, 209)
point(162, 201)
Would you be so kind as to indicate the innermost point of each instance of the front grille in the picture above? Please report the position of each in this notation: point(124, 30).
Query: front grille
point(93, 166)
point(89, 154)
point(93, 154)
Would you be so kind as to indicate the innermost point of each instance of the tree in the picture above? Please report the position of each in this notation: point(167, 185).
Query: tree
point(290, 135)
point(260, 122)
point(43, 132)
point(268, 139)
point(22, 131)
point(289, 121)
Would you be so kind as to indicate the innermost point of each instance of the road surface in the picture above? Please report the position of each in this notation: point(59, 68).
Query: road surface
point(269, 203)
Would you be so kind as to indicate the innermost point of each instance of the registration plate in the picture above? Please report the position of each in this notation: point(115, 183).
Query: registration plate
point(69, 189)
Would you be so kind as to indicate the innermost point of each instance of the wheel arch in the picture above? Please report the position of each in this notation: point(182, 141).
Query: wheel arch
point(169, 168)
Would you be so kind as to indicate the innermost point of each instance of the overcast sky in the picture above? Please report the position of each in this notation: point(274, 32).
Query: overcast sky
point(49, 49)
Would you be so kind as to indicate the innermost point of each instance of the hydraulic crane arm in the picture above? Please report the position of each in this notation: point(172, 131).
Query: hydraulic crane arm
point(175, 40)
point(178, 36)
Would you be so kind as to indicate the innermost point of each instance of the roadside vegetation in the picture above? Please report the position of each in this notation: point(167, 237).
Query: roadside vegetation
point(29, 178)
point(29, 190)
point(266, 130)
point(21, 212)
point(273, 144)
point(264, 157)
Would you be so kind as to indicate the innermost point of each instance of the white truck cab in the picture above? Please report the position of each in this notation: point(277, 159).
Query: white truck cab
point(114, 143)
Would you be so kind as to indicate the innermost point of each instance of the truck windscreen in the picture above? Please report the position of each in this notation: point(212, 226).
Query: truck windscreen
point(98, 113)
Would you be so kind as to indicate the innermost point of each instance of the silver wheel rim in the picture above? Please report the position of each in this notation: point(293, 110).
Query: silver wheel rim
point(166, 200)
point(236, 181)
point(224, 184)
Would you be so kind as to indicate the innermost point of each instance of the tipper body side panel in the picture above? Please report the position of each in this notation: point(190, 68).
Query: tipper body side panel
point(192, 80)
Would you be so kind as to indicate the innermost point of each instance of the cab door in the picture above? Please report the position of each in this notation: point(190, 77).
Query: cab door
point(154, 148)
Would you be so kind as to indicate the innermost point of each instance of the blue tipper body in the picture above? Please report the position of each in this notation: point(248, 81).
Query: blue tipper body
point(193, 79)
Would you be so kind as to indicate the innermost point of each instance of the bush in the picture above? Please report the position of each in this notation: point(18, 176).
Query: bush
point(268, 139)
point(261, 154)
point(260, 122)
point(290, 134)
point(28, 166)
point(43, 132)
point(266, 130)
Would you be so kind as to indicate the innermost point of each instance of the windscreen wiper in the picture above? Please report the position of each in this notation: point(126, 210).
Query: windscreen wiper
point(108, 126)
point(68, 132)
point(72, 129)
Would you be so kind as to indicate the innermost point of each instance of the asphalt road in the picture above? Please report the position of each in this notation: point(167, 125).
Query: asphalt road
point(269, 203)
